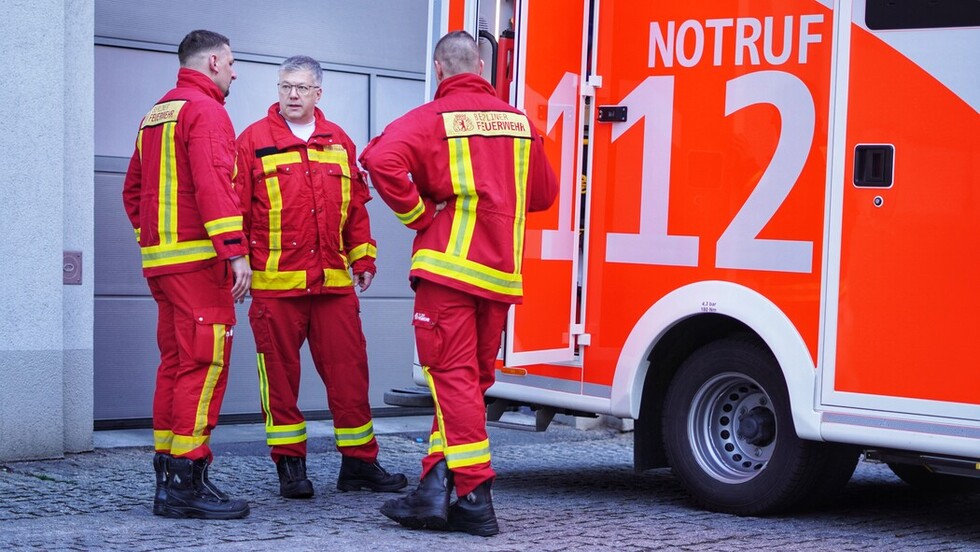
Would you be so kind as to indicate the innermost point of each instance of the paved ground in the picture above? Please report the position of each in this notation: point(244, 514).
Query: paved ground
point(561, 490)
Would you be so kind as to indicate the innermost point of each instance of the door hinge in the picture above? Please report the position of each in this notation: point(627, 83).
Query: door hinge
point(582, 338)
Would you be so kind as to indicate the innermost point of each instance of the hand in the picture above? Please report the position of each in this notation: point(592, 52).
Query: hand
point(363, 280)
point(243, 278)
point(439, 207)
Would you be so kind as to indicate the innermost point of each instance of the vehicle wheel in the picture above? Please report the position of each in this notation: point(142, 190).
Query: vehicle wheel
point(921, 478)
point(729, 435)
point(409, 396)
point(838, 467)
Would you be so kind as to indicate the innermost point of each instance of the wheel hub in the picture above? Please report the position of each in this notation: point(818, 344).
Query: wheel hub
point(757, 427)
point(732, 428)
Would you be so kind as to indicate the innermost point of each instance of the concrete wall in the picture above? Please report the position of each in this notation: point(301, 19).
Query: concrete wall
point(46, 327)
point(49, 113)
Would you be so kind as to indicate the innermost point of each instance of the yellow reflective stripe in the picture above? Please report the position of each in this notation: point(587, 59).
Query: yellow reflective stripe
point(435, 399)
point(354, 436)
point(222, 225)
point(270, 164)
point(176, 253)
point(296, 279)
point(285, 434)
point(467, 271)
point(264, 389)
point(139, 144)
point(435, 443)
point(183, 444)
point(411, 216)
point(137, 232)
point(363, 250)
point(167, 207)
point(275, 223)
point(470, 454)
point(457, 456)
point(163, 439)
point(335, 277)
point(290, 279)
point(337, 155)
point(464, 219)
point(211, 380)
point(522, 153)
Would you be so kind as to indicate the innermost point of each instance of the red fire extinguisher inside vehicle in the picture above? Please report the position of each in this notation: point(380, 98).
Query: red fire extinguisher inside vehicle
point(505, 65)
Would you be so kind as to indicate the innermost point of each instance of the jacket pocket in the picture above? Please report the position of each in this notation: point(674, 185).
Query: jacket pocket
point(222, 150)
point(259, 320)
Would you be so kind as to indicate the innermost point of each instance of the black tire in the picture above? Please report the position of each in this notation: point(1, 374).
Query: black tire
point(409, 396)
point(838, 467)
point(729, 435)
point(924, 480)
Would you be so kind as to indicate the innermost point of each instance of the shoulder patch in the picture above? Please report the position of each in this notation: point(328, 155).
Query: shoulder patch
point(161, 113)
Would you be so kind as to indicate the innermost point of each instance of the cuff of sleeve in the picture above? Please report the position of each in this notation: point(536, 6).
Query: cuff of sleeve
point(364, 265)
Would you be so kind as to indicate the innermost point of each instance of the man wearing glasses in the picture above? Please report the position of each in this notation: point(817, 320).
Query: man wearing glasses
point(303, 199)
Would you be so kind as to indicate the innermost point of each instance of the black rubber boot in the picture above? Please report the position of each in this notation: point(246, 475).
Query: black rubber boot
point(474, 513)
point(160, 461)
point(190, 494)
point(357, 474)
point(428, 505)
point(292, 477)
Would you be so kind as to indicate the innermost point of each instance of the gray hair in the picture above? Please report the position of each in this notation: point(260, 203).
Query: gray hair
point(457, 52)
point(303, 63)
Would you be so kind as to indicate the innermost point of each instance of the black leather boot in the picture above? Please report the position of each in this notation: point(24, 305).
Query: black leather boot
point(474, 513)
point(160, 461)
point(292, 477)
point(190, 494)
point(428, 505)
point(357, 474)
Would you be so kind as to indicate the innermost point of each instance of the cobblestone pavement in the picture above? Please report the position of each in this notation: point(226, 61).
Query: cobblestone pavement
point(561, 490)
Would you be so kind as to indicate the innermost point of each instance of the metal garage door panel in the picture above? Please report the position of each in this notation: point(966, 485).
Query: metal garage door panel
point(126, 358)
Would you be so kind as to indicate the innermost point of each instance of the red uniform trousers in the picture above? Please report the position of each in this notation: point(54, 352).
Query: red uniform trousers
point(332, 324)
point(194, 334)
point(457, 336)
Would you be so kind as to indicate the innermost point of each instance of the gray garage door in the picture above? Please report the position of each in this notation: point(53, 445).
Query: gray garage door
point(373, 54)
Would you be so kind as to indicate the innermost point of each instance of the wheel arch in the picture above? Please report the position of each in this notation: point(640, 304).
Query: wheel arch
point(688, 318)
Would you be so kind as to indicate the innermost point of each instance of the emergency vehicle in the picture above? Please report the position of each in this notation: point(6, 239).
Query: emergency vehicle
point(766, 246)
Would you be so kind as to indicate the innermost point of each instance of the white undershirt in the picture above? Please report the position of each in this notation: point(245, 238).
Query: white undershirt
point(302, 131)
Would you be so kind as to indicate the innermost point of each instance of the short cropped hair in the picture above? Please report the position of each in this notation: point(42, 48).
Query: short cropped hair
point(199, 42)
point(457, 52)
point(303, 63)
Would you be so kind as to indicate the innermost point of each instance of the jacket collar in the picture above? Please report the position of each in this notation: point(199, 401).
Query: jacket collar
point(285, 138)
point(463, 83)
point(190, 78)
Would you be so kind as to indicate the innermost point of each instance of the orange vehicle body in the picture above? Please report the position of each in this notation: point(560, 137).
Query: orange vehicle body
point(794, 171)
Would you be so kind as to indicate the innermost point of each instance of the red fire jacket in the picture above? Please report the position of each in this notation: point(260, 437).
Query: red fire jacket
point(178, 192)
point(304, 208)
point(484, 158)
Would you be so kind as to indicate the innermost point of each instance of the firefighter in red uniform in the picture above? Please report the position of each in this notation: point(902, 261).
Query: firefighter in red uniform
point(179, 198)
point(308, 227)
point(462, 171)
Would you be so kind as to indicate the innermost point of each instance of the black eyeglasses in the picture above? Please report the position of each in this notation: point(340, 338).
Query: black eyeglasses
point(301, 89)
